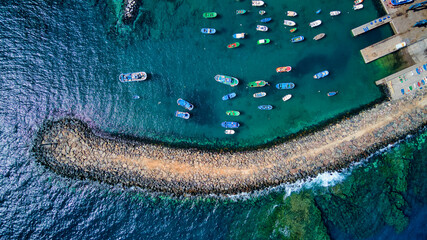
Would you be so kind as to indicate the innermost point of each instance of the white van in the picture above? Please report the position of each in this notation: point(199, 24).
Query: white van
point(400, 45)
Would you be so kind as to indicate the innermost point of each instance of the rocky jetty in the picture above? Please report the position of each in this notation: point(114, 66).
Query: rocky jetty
point(71, 148)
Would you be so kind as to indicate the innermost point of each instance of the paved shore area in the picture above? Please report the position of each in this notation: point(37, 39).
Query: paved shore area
point(71, 148)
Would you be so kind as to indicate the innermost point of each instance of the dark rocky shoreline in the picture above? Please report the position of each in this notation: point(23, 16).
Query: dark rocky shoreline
point(70, 147)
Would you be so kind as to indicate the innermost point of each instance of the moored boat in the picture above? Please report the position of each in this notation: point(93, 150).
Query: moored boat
point(228, 96)
point(208, 30)
point(318, 11)
point(183, 103)
point(230, 124)
point(297, 39)
point(261, 12)
point(319, 36)
point(334, 13)
point(315, 23)
point(133, 77)
point(240, 11)
point(265, 107)
point(257, 3)
point(210, 14)
point(259, 94)
point(227, 80)
point(239, 35)
point(260, 83)
point(291, 14)
point(229, 132)
point(284, 69)
point(263, 41)
point(184, 115)
point(261, 28)
point(330, 94)
point(292, 30)
point(358, 7)
point(232, 113)
point(233, 45)
point(285, 85)
point(265, 20)
point(321, 74)
point(356, 2)
point(287, 97)
point(289, 23)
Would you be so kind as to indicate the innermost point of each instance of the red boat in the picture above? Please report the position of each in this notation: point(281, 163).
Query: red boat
point(284, 69)
point(233, 45)
point(358, 2)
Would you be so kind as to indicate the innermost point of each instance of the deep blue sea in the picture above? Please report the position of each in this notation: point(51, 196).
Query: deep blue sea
point(62, 58)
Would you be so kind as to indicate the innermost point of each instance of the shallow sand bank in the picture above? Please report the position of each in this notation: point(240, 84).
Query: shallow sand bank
point(70, 148)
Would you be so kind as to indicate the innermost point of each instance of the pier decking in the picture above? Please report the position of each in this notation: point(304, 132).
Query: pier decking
point(371, 25)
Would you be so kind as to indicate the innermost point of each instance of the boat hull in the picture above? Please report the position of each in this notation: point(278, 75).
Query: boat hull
point(230, 124)
point(229, 96)
point(287, 97)
point(185, 104)
point(263, 41)
point(133, 77)
point(297, 39)
point(233, 45)
point(321, 74)
point(265, 107)
point(227, 80)
point(284, 69)
point(232, 113)
point(319, 36)
point(210, 14)
point(260, 94)
point(285, 85)
point(184, 115)
point(260, 83)
point(208, 30)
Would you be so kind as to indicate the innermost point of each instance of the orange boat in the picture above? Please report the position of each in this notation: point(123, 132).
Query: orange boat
point(284, 69)
point(233, 45)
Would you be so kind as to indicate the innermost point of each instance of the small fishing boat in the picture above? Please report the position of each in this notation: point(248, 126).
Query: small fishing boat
point(291, 14)
point(334, 13)
point(315, 23)
point(240, 11)
point(181, 102)
point(285, 85)
point(265, 107)
point(136, 97)
point(330, 94)
point(293, 30)
point(257, 3)
point(287, 97)
point(261, 12)
point(319, 36)
point(297, 39)
point(239, 35)
point(263, 41)
point(259, 94)
point(321, 74)
point(319, 11)
point(230, 124)
point(227, 80)
point(233, 45)
point(265, 20)
point(284, 69)
point(229, 96)
point(356, 2)
point(232, 113)
point(261, 28)
point(208, 30)
point(184, 115)
point(133, 77)
point(260, 83)
point(357, 7)
point(210, 14)
point(229, 132)
point(289, 23)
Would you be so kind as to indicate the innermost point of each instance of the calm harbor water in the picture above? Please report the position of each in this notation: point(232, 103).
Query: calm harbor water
point(62, 58)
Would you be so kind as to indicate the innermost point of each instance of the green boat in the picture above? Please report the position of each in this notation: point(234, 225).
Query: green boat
point(210, 14)
point(260, 83)
point(232, 113)
point(263, 41)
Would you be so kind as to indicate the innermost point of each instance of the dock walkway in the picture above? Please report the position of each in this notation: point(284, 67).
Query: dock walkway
point(371, 25)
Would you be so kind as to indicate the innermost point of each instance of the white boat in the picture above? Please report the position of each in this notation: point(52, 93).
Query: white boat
point(287, 97)
point(358, 7)
point(334, 13)
point(319, 36)
point(315, 23)
point(259, 94)
point(291, 14)
point(133, 77)
point(239, 35)
point(261, 12)
point(229, 131)
point(257, 3)
point(289, 23)
point(261, 28)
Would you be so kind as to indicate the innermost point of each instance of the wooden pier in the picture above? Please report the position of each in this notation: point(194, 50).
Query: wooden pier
point(371, 25)
point(382, 48)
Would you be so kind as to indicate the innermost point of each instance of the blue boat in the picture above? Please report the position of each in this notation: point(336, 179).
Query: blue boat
point(297, 39)
point(184, 115)
point(229, 96)
point(285, 85)
point(319, 11)
point(265, 107)
point(400, 2)
point(230, 124)
point(330, 94)
point(265, 20)
point(321, 74)
point(208, 30)
point(181, 102)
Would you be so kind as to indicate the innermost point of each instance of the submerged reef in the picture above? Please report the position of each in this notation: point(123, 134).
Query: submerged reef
point(70, 147)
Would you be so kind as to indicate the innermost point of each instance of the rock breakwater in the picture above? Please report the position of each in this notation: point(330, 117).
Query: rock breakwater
point(71, 148)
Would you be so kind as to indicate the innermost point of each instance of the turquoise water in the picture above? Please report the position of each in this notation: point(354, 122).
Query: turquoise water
point(83, 54)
